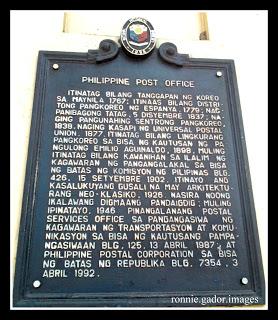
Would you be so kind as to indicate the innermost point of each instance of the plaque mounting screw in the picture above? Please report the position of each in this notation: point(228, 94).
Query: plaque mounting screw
point(244, 280)
point(36, 284)
point(55, 66)
point(219, 74)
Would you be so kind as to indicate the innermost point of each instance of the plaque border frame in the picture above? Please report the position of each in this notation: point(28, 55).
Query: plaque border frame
point(146, 299)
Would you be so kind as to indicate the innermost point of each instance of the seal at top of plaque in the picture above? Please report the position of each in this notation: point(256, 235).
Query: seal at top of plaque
point(138, 36)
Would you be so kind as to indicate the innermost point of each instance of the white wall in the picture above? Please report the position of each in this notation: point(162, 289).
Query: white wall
point(238, 35)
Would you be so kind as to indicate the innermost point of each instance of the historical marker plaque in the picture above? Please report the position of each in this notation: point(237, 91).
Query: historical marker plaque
point(137, 188)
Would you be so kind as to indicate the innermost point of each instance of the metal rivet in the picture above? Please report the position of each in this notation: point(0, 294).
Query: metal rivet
point(219, 74)
point(36, 284)
point(244, 280)
point(55, 66)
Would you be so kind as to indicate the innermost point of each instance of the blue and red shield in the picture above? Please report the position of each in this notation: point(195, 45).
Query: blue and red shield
point(138, 33)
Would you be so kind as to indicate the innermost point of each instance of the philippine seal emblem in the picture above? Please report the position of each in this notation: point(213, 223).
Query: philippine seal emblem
point(138, 36)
